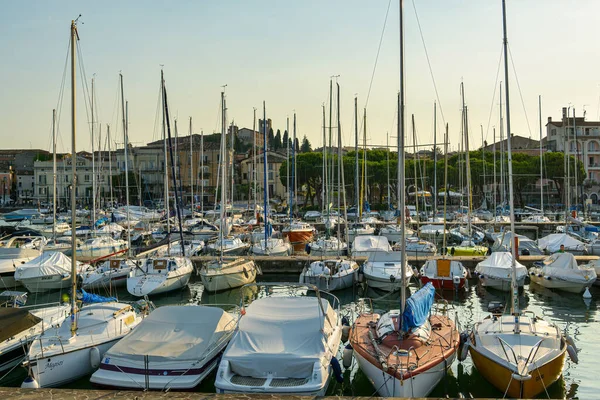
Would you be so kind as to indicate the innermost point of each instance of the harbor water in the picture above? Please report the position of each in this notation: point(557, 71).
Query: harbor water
point(570, 311)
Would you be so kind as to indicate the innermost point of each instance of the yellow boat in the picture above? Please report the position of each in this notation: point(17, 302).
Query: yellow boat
point(467, 250)
point(521, 362)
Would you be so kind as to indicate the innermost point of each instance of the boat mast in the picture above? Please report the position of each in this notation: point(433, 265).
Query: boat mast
point(576, 159)
point(294, 151)
point(54, 174)
point(223, 185)
point(329, 177)
point(495, 183)
point(356, 173)
point(191, 167)
point(125, 141)
point(287, 147)
point(165, 169)
point(541, 159)
point(467, 158)
point(446, 194)
point(202, 172)
point(340, 188)
point(502, 149)
point(93, 166)
point(414, 138)
point(435, 190)
point(515, 288)
point(366, 186)
point(74, 37)
point(254, 176)
point(387, 146)
point(324, 176)
point(110, 166)
point(401, 191)
point(265, 181)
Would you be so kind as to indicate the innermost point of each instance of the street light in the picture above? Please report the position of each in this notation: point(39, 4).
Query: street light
point(4, 192)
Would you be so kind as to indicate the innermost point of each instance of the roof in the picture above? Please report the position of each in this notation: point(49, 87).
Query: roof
point(579, 121)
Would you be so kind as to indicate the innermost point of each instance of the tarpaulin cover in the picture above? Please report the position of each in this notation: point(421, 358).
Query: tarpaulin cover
point(15, 320)
point(553, 241)
point(499, 265)
point(564, 266)
point(49, 263)
point(283, 336)
point(175, 333)
point(93, 298)
point(417, 307)
point(370, 243)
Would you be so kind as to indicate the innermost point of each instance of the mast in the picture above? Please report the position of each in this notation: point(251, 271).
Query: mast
point(54, 174)
point(126, 155)
point(495, 184)
point(467, 158)
point(177, 195)
point(414, 138)
point(329, 177)
point(165, 169)
point(254, 176)
point(110, 166)
point(223, 186)
point(515, 288)
point(74, 37)
point(541, 159)
point(366, 186)
point(202, 172)
point(287, 146)
point(387, 146)
point(294, 150)
point(401, 181)
point(445, 187)
point(340, 188)
point(324, 176)
point(435, 190)
point(483, 164)
point(265, 181)
point(93, 166)
point(502, 149)
point(576, 158)
point(356, 182)
point(191, 167)
point(232, 162)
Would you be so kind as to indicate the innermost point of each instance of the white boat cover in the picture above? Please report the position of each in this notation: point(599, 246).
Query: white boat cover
point(552, 242)
point(564, 266)
point(49, 263)
point(499, 265)
point(175, 333)
point(371, 243)
point(280, 335)
point(111, 228)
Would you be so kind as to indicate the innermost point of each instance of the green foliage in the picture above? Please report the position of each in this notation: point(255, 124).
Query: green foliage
point(306, 147)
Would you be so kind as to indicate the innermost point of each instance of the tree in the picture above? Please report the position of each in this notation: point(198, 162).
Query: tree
point(277, 141)
point(285, 140)
point(270, 139)
point(297, 146)
point(306, 147)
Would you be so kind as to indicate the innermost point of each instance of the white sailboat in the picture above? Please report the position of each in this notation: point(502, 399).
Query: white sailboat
point(560, 271)
point(222, 274)
point(75, 348)
point(520, 354)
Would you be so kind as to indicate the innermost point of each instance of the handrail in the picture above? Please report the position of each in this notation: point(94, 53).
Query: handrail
point(502, 343)
point(536, 347)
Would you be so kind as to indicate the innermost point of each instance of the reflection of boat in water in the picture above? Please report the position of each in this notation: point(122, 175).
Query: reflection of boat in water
point(233, 296)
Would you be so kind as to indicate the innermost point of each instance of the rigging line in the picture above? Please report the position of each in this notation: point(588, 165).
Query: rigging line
point(512, 61)
point(157, 121)
point(86, 91)
point(61, 94)
point(429, 63)
point(494, 94)
point(378, 51)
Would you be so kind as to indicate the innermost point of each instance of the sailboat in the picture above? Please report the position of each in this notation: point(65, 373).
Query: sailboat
point(164, 273)
point(269, 246)
point(406, 352)
point(75, 348)
point(223, 274)
point(520, 354)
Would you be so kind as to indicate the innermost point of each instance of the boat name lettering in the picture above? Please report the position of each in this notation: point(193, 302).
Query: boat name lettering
point(51, 365)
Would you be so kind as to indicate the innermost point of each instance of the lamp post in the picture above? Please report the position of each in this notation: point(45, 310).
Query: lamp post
point(4, 192)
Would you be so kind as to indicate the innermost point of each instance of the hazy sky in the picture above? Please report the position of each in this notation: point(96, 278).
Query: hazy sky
point(284, 52)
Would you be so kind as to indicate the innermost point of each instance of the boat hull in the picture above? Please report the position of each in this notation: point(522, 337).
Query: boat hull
point(114, 280)
point(329, 283)
point(500, 284)
point(441, 283)
point(46, 283)
point(558, 284)
point(501, 377)
point(299, 238)
point(214, 281)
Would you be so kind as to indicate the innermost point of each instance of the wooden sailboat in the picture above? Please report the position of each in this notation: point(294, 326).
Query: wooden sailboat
point(223, 274)
point(520, 354)
point(405, 353)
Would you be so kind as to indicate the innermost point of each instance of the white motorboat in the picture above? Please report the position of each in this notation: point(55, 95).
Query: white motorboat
point(327, 247)
point(159, 275)
point(312, 216)
point(273, 247)
point(60, 356)
point(434, 233)
point(496, 271)
point(552, 242)
point(228, 246)
point(227, 274)
point(393, 233)
point(138, 213)
point(7, 271)
point(50, 271)
point(444, 274)
point(204, 230)
point(330, 275)
point(101, 246)
point(359, 229)
point(192, 248)
point(383, 270)
point(418, 247)
point(560, 271)
point(110, 274)
point(175, 347)
point(21, 247)
point(527, 247)
point(284, 345)
point(364, 246)
point(21, 325)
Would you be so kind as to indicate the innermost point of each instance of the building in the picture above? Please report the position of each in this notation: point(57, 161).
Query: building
point(274, 162)
point(244, 135)
point(581, 139)
point(519, 144)
point(43, 177)
point(25, 186)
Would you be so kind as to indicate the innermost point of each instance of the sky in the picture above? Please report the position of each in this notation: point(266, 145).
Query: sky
point(285, 53)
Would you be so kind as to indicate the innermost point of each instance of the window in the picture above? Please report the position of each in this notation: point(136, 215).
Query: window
point(245, 176)
point(270, 167)
point(20, 184)
point(86, 178)
point(591, 163)
point(592, 146)
point(42, 179)
point(270, 176)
